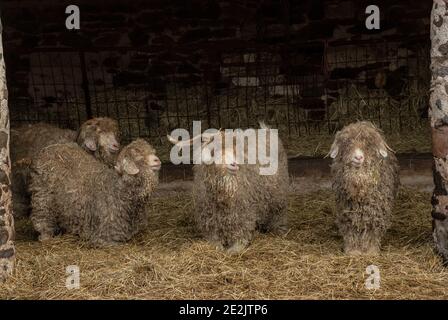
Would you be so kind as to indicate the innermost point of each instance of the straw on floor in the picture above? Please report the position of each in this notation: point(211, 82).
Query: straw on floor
point(170, 261)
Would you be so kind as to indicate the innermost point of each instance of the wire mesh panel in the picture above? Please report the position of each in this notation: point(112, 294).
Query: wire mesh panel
point(54, 92)
point(309, 91)
point(386, 83)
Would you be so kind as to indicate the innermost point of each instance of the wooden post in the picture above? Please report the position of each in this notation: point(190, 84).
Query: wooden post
point(438, 112)
point(7, 250)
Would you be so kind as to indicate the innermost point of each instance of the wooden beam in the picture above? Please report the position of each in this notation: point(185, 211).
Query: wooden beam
point(438, 113)
point(7, 233)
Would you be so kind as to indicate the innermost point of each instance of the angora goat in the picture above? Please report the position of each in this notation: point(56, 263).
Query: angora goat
point(75, 193)
point(98, 136)
point(232, 200)
point(365, 179)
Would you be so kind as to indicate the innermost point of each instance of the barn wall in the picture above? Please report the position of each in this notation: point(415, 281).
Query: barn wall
point(166, 24)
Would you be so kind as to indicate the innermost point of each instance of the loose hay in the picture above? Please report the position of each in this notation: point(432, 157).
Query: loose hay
point(169, 261)
point(413, 140)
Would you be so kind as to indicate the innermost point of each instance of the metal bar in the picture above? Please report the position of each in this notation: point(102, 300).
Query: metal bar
point(85, 84)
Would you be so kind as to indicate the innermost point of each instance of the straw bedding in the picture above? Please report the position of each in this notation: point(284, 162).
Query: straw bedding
point(170, 261)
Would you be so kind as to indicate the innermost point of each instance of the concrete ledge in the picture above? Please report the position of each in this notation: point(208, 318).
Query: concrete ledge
point(309, 174)
point(410, 164)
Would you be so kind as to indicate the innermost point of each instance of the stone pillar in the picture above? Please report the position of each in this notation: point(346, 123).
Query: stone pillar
point(7, 250)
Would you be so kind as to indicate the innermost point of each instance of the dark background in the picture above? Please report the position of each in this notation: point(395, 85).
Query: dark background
point(307, 67)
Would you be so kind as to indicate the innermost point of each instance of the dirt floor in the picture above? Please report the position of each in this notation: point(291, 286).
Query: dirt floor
point(170, 261)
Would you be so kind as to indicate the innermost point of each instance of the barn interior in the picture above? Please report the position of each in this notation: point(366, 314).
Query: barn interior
point(305, 67)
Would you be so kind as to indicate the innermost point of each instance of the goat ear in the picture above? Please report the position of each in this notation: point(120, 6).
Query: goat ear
point(128, 166)
point(90, 144)
point(334, 150)
point(384, 150)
